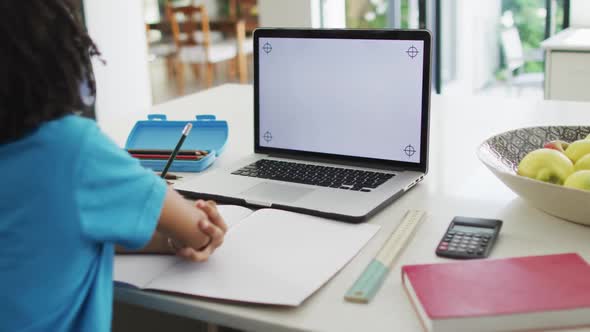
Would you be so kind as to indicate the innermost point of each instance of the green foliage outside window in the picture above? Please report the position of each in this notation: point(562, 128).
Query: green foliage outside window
point(530, 23)
point(529, 19)
point(372, 14)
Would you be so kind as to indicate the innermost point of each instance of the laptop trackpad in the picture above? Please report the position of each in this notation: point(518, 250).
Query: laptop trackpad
point(273, 192)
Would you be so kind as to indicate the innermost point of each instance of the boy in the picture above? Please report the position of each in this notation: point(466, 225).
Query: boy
point(68, 193)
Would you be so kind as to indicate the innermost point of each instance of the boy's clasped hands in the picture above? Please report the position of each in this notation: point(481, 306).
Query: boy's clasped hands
point(210, 224)
point(191, 231)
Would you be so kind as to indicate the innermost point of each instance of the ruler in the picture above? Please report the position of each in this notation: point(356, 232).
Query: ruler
point(369, 282)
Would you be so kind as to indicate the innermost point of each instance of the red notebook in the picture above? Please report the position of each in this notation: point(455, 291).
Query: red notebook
point(525, 293)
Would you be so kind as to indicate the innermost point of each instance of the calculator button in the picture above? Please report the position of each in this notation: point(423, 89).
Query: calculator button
point(486, 237)
point(451, 233)
point(461, 250)
point(480, 252)
point(470, 252)
point(460, 233)
point(462, 246)
point(472, 247)
point(444, 243)
point(452, 248)
point(467, 235)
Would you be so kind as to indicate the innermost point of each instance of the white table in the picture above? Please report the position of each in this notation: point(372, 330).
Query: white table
point(567, 65)
point(457, 184)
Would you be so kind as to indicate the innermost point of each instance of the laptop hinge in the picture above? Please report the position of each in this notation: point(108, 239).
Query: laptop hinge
point(338, 162)
point(258, 203)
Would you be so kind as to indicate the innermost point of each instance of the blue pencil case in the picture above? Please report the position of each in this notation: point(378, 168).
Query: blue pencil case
point(157, 133)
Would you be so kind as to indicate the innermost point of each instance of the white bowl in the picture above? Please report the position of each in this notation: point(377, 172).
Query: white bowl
point(502, 153)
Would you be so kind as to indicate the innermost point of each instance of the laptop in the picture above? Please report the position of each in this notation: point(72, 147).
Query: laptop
point(341, 121)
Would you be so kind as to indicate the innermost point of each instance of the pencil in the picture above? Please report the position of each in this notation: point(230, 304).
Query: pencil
point(165, 157)
point(168, 152)
point(172, 177)
point(185, 132)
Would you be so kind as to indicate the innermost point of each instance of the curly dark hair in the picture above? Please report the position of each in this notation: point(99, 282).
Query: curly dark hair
point(44, 60)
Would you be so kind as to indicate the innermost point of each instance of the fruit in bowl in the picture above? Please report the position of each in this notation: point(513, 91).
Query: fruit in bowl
point(546, 165)
point(558, 145)
point(583, 163)
point(557, 162)
point(578, 149)
point(540, 179)
point(579, 180)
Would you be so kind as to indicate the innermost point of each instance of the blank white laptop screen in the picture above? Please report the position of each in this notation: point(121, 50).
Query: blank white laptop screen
point(351, 97)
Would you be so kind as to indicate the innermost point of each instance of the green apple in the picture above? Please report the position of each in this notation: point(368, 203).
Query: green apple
point(583, 163)
point(579, 180)
point(546, 165)
point(577, 150)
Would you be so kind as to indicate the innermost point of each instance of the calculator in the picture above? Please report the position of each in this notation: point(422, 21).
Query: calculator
point(469, 238)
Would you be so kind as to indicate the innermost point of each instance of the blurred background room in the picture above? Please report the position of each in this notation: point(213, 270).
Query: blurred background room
point(158, 50)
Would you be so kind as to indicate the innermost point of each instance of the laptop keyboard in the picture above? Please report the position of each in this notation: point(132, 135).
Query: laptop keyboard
point(324, 176)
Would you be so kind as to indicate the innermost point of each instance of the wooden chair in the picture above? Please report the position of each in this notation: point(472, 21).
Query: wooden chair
point(244, 9)
point(162, 48)
point(193, 40)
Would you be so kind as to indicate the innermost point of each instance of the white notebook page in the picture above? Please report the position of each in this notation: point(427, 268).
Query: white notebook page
point(233, 214)
point(272, 257)
point(138, 270)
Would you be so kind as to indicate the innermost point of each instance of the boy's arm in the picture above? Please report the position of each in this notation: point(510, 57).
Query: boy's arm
point(158, 245)
point(183, 223)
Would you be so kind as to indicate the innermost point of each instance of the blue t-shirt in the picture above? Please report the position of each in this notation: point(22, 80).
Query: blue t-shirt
point(68, 194)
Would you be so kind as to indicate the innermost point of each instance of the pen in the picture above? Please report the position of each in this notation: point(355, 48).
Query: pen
point(185, 132)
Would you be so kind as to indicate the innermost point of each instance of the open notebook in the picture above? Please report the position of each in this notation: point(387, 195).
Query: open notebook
point(269, 256)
